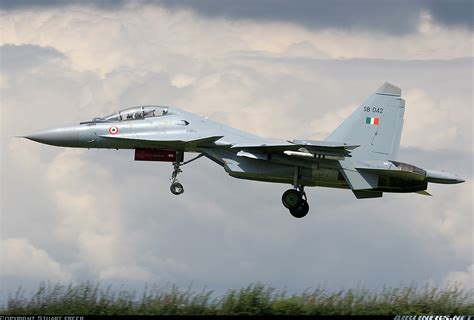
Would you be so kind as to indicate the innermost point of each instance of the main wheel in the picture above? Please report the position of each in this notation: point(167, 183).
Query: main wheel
point(301, 211)
point(292, 199)
point(176, 188)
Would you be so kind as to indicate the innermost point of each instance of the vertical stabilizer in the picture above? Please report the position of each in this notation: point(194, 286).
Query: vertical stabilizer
point(376, 125)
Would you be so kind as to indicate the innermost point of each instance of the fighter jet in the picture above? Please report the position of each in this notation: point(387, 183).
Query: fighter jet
point(359, 155)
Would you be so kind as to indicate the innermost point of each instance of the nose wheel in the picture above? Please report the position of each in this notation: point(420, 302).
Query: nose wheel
point(295, 201)
point(176, 188)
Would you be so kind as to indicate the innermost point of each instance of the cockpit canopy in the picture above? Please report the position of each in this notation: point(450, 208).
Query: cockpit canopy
point(134, 113)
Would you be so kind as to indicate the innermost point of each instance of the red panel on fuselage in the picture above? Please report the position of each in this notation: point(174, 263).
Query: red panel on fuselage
point(155, 155)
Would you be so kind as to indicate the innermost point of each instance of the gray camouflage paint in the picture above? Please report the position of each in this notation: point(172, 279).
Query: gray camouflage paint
point(359, 155)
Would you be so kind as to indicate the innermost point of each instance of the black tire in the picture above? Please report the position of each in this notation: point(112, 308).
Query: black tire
point(301, 211)
point(292, 199)
point(176, 188)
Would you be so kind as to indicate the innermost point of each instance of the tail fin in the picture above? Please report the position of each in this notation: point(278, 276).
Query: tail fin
point(376, 125)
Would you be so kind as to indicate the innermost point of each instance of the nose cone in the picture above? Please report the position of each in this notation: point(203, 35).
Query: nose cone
point(63, 137)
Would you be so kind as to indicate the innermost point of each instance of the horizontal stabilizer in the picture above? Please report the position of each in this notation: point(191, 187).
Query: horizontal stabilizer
point(367, 194)
point(360, 180)
point(424, 193)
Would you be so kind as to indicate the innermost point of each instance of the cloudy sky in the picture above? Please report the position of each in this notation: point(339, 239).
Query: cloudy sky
point(280, 69)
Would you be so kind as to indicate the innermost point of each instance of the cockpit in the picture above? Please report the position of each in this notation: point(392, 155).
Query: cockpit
point(133, 113)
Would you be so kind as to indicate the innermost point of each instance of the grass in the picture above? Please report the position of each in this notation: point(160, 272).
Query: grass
point(256, 299)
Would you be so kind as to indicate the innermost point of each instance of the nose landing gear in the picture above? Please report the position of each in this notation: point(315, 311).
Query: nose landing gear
point(177, 188)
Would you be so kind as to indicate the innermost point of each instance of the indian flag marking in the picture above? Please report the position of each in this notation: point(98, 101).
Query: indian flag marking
point(370, 120)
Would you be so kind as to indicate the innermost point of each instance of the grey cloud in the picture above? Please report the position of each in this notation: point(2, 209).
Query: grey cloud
point(383, 16)
point(225, 232)
point(377, 16)
point(458, 161)
point(25, 56)
point(456, 13)
point(26, 4)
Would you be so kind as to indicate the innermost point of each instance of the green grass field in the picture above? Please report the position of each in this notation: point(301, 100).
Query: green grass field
point(256, 299)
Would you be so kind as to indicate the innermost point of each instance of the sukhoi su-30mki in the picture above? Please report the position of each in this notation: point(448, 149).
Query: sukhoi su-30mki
point(360, 155)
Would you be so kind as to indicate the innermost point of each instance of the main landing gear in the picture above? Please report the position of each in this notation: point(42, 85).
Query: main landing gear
point(295, 199)
point(176, 188)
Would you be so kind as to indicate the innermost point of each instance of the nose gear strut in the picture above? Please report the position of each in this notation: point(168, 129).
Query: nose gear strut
point(176, 188)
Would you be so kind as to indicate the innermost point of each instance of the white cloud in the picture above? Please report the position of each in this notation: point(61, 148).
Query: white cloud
point(448, 215)
point(120, 273)
point(79, 200)
point(182, 80)
point(89, 216)
point(457, 222)
point(462, 278)
point(147, 36)
point(326, 124)
point(432, 123)
point(23, 260)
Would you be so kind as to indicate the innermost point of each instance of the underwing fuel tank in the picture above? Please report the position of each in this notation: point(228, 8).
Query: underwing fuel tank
point(142, 154)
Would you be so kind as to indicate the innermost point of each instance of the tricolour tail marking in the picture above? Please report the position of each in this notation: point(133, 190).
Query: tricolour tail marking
point(376, 125)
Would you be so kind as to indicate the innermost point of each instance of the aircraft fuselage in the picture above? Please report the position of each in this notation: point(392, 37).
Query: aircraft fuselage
point(359, 155)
